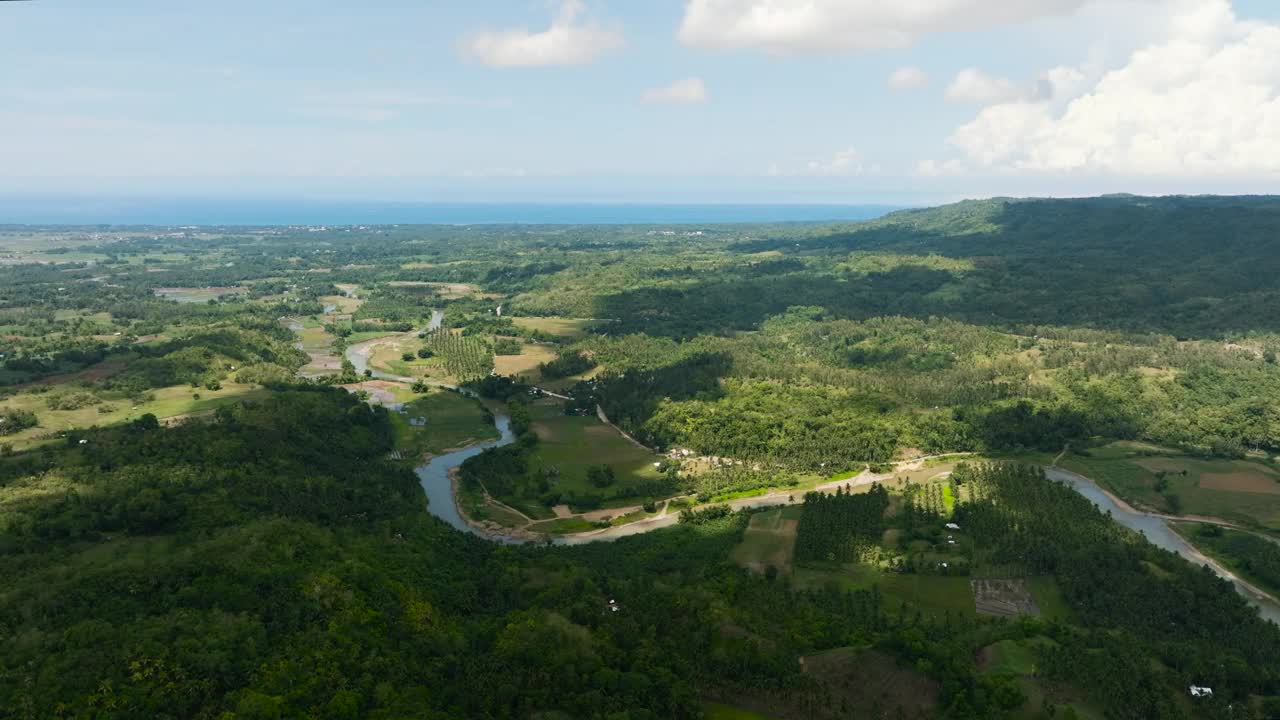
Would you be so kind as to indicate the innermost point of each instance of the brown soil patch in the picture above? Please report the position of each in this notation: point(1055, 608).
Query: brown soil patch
point(1003, 598)
point(1249, 482)
point(1162, 465)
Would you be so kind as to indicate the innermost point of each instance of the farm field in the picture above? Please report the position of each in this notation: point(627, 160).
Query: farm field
point(343, 305)
point(1245, 492)
point(198, 295)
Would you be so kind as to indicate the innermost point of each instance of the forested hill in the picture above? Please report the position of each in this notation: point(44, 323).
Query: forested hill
point(1185, 265)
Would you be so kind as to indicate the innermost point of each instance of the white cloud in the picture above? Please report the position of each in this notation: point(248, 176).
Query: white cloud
point(974, 86)
point(908, 78)
point(846, 162)
point(566, 42)
point(933, 168)
point(1204, 100)
point(797, 26)
point(690, 91)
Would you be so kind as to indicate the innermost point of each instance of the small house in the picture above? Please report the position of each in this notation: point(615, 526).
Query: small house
point(1201, 692)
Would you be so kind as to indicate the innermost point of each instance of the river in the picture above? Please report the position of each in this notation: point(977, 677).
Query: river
point(359, 354)
point(1157, 531)
point(434, 476)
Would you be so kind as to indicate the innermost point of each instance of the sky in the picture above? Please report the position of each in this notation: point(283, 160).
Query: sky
point(777, 101)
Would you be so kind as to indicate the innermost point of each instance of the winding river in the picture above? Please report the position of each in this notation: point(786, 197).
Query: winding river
point(434, 476)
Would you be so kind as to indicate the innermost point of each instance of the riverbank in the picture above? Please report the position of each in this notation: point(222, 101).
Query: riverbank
point(1157, 530)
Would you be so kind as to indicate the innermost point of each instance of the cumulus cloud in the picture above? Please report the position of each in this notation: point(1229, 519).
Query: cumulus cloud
point(908, 78)
point(567, 42)
point(690, 91)
point(971, 85)
point(846, 162)
point(1204, 100)
point(797, 26)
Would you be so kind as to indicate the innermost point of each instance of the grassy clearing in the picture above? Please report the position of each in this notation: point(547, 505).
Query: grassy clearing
point(165, 403)
point(489, 512)
point(565, 328)
point(1048, 597)
point(1011, 657)
point(453, 420)
point(359, 337)
point(573, 444)
point(934, 594)
point(526, 363)
point(769, 541)
point(1241, 491)
point(562, 526)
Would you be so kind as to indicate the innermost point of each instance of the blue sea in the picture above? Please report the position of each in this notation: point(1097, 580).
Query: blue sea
point(142, 211)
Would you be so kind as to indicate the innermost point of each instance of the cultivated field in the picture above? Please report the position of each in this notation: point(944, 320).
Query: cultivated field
point(1240, 491)
point(198, 295)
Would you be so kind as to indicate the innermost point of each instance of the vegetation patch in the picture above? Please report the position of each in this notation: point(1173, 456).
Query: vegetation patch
point(868, 683)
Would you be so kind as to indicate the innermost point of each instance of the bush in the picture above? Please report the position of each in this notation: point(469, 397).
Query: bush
point(701, 517)
point(601, 476)
point(15, 421)
point(505, 346)
point(72, 401)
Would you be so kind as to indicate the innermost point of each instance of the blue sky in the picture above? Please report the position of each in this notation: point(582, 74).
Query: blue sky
point(698, 101)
